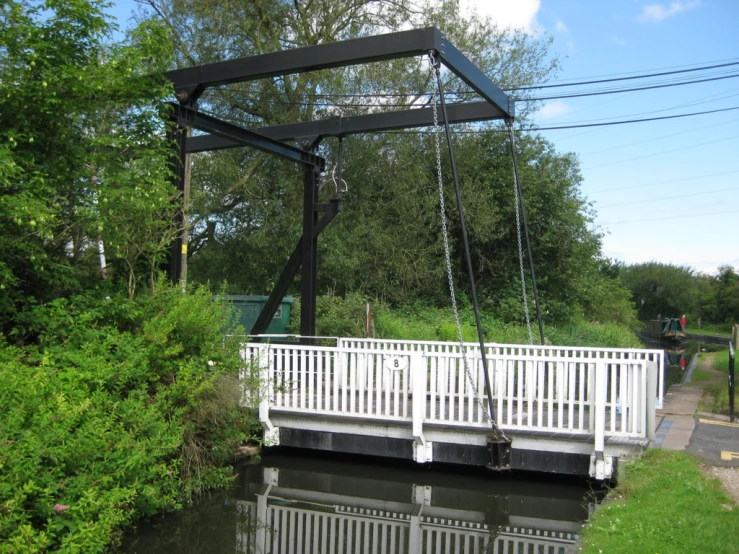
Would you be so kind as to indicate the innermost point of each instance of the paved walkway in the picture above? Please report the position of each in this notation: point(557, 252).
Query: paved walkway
point(709, 437)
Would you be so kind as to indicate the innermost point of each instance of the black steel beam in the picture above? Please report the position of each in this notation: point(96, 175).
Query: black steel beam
point(289, 273)
point(312, 58)
point(471, 74)
point(309, 255)
point(244, 137)
point(341, 126)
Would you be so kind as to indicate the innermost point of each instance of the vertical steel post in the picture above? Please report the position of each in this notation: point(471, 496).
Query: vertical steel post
point(525, 228)
point(468, 257)
point(310, 251)
point(732, 383)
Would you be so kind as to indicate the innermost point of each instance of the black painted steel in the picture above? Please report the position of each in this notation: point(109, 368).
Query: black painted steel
point(309, 254)
point(471, 74)
point(343, 126)
point(468, 257)
point(359, 51)
point(290, 271)
point(512, 141)
point(190, 83)
point(245, 137)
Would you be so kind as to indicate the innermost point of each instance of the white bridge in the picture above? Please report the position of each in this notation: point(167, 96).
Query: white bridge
point(566, 410)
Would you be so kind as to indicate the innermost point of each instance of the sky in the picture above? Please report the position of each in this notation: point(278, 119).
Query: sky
point(665, 190)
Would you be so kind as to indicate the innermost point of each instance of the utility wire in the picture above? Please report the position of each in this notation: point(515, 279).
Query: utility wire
point(669, 181)
point(657, 138)
point(648, 87)
point(671, 197)
point(663, 152)
point(686, 216)
point(628, 120)
point(613, 80)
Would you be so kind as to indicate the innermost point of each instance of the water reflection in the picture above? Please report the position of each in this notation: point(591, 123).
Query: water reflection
point(293, 504)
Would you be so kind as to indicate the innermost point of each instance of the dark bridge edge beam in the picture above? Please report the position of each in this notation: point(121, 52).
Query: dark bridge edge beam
point(189, 83)
point(289, 272)
point(194, 80)
point(190, 117)
point(474, 77)
point(336, 126)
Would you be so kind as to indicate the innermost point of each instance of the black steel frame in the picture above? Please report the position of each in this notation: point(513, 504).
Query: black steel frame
point(190, 83)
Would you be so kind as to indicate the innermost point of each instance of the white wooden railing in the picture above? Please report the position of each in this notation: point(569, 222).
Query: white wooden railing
point(553, 390)
point(568, 352)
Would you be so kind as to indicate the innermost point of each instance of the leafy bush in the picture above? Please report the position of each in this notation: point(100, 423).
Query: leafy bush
point(125, 409)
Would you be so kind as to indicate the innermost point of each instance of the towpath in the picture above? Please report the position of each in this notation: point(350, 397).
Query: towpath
point(709, 437)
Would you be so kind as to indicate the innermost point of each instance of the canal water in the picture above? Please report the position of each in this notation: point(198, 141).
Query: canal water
point(298, 503)
point(678, 357)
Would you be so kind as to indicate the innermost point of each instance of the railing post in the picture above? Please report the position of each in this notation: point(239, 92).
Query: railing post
point(271, 433)
point(650, 419)
point(732, 383)
point(422, 450)
point(599, 466)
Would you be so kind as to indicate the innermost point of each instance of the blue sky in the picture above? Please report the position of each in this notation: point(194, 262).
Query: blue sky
point(666, 190)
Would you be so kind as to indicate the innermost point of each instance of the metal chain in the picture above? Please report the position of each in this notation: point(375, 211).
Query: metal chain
point(520, 259)
point(447, 253)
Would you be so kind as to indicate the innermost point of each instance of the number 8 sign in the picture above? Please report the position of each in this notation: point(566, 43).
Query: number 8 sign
point(396, 363)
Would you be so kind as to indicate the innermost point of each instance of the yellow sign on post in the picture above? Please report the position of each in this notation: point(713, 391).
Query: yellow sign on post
point(726, 455)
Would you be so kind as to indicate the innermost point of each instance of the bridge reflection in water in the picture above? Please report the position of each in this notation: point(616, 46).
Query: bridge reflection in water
point(291, 505)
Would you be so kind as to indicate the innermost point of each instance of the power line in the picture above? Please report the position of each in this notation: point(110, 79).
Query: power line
point(686, 216)
point(615, 91)
point(663, 152)
point(658, 138)
point(613, 80)
point(628, 120)
point(671, 197)
point(669, 181)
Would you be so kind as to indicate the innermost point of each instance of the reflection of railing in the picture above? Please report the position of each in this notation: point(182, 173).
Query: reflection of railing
point(566, 391)
point(280, 526)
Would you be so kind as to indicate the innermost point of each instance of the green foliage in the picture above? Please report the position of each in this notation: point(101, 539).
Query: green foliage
point(663, 503)
point(658, 288)
point(345, 317)
point(124, 410)
point(82, 151)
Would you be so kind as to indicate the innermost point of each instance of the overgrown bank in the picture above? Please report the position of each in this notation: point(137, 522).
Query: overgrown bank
point(347, 317)
point(122, 409)
point(664, 503)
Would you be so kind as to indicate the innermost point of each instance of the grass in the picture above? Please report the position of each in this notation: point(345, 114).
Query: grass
point(664, 503)
point(713, 329)
point(716, 393)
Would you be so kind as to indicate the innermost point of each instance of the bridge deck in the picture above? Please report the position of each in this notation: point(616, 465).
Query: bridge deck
point(361, 399)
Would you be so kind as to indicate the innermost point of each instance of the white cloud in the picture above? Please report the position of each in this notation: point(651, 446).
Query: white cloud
point(518, 14)
point(654, 13)
point(550, 110)
point(618, 40)
point(561, 27)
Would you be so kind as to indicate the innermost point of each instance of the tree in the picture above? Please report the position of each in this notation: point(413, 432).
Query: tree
point(81, 144)
point(387, 241)
point(658, 288)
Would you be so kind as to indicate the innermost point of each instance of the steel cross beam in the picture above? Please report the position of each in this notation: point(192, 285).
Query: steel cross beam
point(342, 126)
point(244, 137)
point(189, 83)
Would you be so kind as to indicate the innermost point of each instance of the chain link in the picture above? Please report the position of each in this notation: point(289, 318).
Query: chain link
point(447, 253)
point(520, 253)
